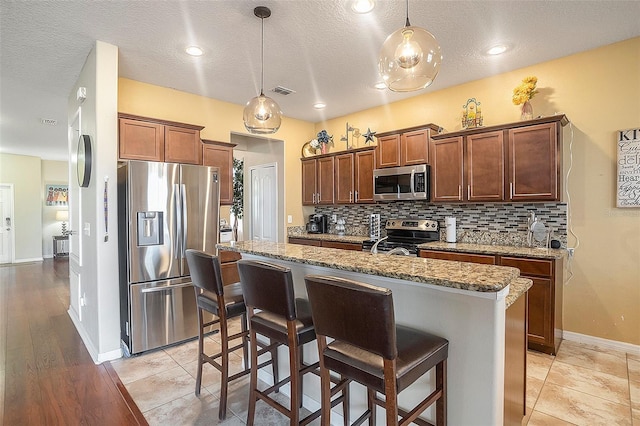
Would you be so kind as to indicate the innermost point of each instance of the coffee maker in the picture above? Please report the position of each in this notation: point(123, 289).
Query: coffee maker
point(318, 224)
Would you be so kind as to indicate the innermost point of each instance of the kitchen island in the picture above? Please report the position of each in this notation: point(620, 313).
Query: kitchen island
point(462, 302)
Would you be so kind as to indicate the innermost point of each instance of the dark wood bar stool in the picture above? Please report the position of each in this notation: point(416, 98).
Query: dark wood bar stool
point(369, 348)
point(225, 302)
point(276, 313)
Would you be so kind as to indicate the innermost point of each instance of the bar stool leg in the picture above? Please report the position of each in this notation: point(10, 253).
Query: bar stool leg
point(253, 382)
point(294, 371)
point(345, 403)
point(224, 379)
point(390, 391)
point(371, 396)
point(441, 403)
point(200, 351)
point(245, 341)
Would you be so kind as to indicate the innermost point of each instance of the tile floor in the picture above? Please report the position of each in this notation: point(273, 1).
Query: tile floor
point(582, 385)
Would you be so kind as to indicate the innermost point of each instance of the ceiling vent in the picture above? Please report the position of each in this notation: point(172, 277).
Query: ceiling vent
point(282, 90)
point(49, 121)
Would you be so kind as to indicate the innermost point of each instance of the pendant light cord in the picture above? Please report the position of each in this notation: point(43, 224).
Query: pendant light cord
point(407, 23)
point(262, 61)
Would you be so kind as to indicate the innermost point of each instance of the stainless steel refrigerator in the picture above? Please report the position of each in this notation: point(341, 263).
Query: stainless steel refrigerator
point(163, 209)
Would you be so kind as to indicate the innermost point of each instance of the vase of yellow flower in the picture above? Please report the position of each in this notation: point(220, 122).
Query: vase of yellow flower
point(523, 94)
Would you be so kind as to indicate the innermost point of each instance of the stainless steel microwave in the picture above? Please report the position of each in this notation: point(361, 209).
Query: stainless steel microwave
point(401, 183)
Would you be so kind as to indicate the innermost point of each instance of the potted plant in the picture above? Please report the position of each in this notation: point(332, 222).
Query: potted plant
point(237, 203)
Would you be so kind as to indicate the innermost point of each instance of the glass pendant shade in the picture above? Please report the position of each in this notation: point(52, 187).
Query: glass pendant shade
point(410, 59)
point(262, 115)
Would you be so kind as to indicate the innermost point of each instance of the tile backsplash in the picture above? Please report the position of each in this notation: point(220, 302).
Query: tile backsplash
point(488, 223)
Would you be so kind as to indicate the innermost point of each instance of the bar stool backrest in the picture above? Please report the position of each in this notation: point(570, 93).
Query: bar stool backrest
point(356, 313)
point(205, 271)
point(268, 287)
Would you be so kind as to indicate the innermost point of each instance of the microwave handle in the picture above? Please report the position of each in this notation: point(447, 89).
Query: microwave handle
point(413, 185)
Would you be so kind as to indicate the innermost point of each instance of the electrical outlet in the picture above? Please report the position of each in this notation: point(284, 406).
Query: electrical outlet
point(289, 219)
point(334, 218)
point(570, 250)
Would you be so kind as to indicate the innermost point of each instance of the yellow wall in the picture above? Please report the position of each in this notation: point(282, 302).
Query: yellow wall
point(598, 90)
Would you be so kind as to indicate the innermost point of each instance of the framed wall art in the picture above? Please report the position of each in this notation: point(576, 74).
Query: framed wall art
point(56, 195)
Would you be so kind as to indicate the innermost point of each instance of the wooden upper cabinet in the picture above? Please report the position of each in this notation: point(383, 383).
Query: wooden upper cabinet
point(326, 181)
point(309, 181)
point(363, 176)
point(447, 169)
point(150, 139)
point(220, 155)
point(484, 164)
point(317, 181)
point(344, 179)
point(182, 145)
point(534, 163)
point(405, 147)
point(388, 151)
point(414, 147)
point(141, 140)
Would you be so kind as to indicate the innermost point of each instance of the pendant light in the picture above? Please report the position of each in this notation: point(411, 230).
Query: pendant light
point(262, 114)
point(409, 59)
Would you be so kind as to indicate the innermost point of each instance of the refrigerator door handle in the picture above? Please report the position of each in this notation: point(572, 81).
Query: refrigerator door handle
point(183, 196)
point(177, 221)
point(165, 288)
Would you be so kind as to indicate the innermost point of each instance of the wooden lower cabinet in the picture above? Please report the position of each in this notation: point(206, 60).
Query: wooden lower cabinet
point(544, 306)
point(515, 362)
point(545, 300)
point(326, 244)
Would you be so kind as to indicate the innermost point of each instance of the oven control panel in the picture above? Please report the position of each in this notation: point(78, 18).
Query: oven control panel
point(412, 224)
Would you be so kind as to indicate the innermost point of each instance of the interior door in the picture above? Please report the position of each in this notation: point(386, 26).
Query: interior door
point(6, 228)
point(264, 202)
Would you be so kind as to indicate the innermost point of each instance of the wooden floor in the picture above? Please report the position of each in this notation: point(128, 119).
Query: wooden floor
point(49, 377)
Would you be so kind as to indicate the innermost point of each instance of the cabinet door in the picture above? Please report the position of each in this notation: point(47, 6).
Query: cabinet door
point(388, 151)
point(446, 169)
point(344, 178)
point(309, 177)
point(222, 157)
point(534, 163)
point(139, 140)
point(325, 181)
point(485, 167)
point(182, 145)
point(364, 165)
point(414, 148)
point(539, 324)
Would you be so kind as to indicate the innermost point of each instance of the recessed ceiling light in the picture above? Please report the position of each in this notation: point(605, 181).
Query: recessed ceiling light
point(363, 6)
point(319, 105)
point(194, 51)
point(380, 86)
point(497, 49)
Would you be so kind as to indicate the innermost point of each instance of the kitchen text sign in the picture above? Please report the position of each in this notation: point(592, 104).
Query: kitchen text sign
point(628, 183)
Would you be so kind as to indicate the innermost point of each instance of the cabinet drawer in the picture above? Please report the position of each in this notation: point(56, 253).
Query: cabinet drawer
point(343, 246)
point(305, 242)
point(459, 257)
point(539, 267)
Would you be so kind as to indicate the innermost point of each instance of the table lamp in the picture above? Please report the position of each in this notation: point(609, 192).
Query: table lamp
point(63, 216)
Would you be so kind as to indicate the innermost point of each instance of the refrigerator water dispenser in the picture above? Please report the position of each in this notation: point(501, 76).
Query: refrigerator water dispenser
point(149, 226)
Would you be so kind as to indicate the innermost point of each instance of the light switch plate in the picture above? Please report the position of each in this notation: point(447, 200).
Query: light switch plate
point(289, 219)
point(87, 229)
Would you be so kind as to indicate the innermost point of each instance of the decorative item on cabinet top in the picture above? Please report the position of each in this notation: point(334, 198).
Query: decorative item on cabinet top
point(523, 94)
point(471, 114)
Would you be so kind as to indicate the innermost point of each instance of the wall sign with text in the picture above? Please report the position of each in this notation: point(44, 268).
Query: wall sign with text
point(628, 183)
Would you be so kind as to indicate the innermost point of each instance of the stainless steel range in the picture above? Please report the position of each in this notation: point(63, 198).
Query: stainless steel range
point(403, 236)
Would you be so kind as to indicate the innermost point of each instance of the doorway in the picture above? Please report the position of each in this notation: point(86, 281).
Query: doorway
point(7, 241)
point(264, 206)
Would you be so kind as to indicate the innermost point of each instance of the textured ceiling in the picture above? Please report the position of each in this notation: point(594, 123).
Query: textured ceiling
point(320, 49)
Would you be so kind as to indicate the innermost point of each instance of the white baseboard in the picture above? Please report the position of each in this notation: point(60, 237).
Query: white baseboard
point(602, 343)
point(33, 259)
point(98, 358)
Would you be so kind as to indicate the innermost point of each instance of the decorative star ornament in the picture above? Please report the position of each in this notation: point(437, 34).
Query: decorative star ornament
point(368, 137)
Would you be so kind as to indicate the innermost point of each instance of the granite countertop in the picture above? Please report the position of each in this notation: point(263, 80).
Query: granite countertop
point(460, 275)
point(331, 237)
point(517, 288)
point(542, 253)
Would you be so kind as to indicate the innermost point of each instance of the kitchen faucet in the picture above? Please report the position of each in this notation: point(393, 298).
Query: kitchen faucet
point(374, 249)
